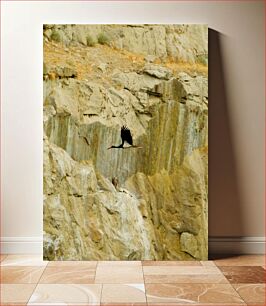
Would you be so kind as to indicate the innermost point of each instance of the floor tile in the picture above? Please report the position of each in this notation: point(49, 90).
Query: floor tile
point(85, 264)
point(123, 293)
point(16, 293)
point(243, 260)
point(194, 304)
point(180, 270)
point(118, 274)
point(120, 263)
point(192, 293)
point(68, 275)
point(23, 260)
point(73, 294)
point(208, 263)
point(182, 274)
point(127, 304)
point(251, 293)
point(248, 274)
point(170, 263)
point(21, 275)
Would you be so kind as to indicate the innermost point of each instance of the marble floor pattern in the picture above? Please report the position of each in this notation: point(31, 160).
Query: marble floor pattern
point(227, 281)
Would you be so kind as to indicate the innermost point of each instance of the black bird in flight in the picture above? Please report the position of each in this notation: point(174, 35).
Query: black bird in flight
point(126, 138)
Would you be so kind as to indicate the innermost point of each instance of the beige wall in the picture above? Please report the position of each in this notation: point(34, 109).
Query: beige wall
point(236, 88)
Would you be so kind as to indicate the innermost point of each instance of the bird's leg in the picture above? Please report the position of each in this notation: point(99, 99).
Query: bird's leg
point(136, 147)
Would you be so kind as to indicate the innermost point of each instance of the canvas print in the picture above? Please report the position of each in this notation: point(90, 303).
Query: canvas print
point(125, 171)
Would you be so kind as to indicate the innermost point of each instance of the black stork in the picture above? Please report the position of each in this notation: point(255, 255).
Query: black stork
point(126, 137)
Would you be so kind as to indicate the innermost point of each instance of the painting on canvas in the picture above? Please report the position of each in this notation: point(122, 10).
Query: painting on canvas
point(125, 119)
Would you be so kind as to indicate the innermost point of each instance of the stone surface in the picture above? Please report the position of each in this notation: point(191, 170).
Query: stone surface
point(189, 244)
point(66, 294)
point(197, 294)
point(150, 58)
point(157, 71)
point(158, 207)
point(251, 293)
point(182, 42)
point(244, 274)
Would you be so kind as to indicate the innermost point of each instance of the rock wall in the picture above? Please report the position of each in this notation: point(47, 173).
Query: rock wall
point(158, 206)
point(85, 217)
point(182, 42)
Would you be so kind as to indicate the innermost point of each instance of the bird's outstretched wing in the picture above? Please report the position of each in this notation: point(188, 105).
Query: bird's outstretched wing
point(126, 135)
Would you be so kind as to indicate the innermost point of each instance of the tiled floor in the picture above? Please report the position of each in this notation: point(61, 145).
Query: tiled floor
point(27, 280)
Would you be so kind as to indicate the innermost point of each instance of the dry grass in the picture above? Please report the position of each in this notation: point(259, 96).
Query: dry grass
point(181, 66)
point(188, 68)
point(58, 55)
point(85, 61)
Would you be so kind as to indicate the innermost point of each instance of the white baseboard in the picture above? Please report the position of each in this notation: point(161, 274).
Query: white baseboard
point(237, 245)
point(217, 245)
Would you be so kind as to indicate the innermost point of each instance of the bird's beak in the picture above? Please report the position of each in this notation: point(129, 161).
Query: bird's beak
point(109, 148)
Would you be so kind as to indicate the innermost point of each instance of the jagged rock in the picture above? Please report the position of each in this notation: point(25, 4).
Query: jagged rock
point(189, 244)
point(102, 67)
point(65, 72)
point(174, 206)
point(135, 82)
point(194, 89)
point(82, 210)
point(59, 72)
point(158, 71)
point(105, 184)
point(111, 210)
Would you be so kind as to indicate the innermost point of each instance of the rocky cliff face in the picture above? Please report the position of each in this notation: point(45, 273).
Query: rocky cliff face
point(149, 78)
point(182, 42)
